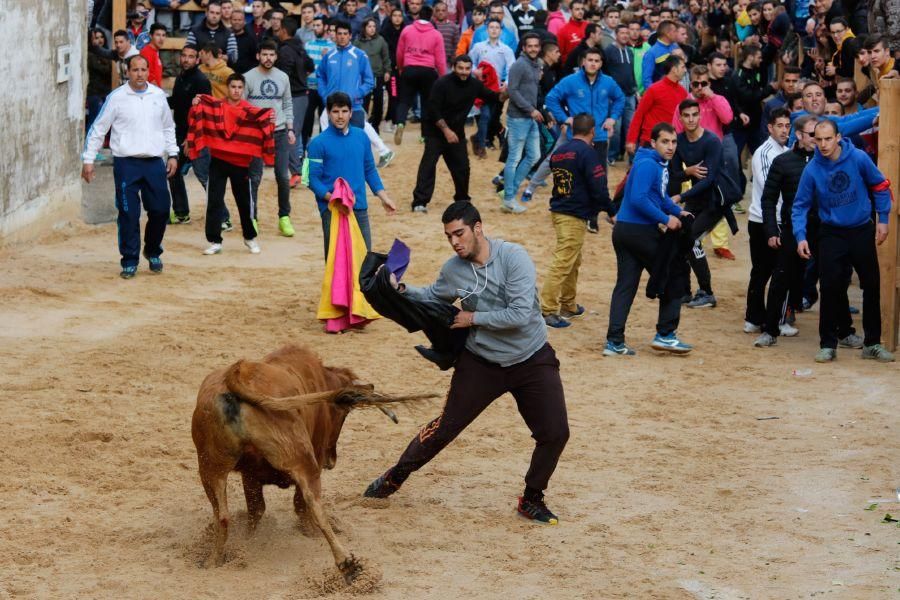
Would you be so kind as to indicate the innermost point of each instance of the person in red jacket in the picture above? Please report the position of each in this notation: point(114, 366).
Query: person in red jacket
point(658, 103)
point(249, 132)
point(421, 59)
point(571, 34)
point(151, 53)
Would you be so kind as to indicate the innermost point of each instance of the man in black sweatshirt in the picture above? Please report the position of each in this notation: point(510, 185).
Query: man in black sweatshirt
point(443, 127)
point(694, 174)
point(723, 85)
point(293, 60)
point(751, 87)
point(246, 43)
point(579, 194)
point(187, 85)
point(618, 63)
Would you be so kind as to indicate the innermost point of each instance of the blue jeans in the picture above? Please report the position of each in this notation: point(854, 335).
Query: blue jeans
point(543, 171)
point(524, 149)
point(484, 119)
point(282, 174)
point(621, 129)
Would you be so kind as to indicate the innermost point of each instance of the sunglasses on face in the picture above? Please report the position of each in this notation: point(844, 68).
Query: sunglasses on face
point(699, 84)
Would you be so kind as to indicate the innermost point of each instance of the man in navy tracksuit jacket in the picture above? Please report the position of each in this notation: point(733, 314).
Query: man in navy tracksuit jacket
point(843, 181)
point(579, 194)
point(636, 239)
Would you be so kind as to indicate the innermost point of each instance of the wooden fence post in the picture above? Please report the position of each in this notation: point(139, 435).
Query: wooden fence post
point(889, 164)
point(119, 12)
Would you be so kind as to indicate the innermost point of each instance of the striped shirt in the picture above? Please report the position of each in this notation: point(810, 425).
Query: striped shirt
point(317, 49)
point(235, 134)
point(762, 161)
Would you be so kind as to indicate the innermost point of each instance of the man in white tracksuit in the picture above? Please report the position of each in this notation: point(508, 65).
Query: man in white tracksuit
point(143, 132)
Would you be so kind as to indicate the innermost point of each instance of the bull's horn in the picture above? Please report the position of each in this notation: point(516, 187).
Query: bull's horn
point(389, 413)
point(362, 384)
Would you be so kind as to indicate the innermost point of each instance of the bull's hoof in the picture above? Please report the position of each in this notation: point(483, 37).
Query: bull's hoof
point(350, 568)
point(214, 560)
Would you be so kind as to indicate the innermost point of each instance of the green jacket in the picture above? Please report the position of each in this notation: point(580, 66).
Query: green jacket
point(638, 64)
point(377, 51)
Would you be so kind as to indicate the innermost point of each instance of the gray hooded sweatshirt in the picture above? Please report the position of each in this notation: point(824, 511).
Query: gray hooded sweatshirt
point(508, 327)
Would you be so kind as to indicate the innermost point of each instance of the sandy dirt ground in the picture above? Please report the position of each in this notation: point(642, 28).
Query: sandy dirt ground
point(716, 475)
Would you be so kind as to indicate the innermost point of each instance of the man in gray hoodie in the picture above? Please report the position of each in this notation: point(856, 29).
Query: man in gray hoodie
point(522, 136)
point(269, 87)
point(506, 351)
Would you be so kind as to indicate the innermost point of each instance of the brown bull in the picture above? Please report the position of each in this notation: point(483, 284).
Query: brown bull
point(277, 422)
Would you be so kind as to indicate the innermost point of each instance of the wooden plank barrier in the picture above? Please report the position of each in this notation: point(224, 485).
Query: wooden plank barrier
point(889, 251)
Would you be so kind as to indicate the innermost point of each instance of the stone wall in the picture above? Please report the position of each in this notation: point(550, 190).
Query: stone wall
point(41, 121)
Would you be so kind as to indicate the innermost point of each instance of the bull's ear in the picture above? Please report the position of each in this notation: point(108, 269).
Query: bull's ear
point(362, 385)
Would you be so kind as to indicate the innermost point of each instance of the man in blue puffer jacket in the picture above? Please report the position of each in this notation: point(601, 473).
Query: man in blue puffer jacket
point(637, 239)
point(843, 181)
point(346, 69)
point(589, 91)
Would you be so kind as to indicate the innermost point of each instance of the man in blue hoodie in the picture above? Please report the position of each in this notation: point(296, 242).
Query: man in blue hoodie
point(646, 210)
point(346, 69)
point(842, 181)
point(338, 152)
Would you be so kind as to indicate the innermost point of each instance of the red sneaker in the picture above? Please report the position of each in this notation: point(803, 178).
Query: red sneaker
point(724, 253)
point(295, 180)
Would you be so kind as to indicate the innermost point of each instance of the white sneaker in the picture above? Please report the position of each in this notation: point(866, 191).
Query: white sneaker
point(788, 330)
point(252, 245)
point(512, 207)
point(213, 249)
point(751, 328)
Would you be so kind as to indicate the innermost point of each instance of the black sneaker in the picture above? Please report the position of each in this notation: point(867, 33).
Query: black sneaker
point(592, 226)
point(536, 510)
point(156, 263)
point(382, 487)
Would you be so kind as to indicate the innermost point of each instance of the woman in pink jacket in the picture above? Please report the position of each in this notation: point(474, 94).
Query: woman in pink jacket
point(556, 18)
point(421, 59)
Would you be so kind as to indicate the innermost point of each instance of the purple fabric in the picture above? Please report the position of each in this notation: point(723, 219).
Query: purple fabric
point(398, 259)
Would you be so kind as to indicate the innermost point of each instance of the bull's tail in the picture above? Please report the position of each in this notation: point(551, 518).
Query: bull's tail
point(241, 371)
point(349, 397)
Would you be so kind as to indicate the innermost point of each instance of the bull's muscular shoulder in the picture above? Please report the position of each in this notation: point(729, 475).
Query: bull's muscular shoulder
point(293, 354)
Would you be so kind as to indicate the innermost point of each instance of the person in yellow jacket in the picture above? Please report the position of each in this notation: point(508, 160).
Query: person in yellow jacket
point(215, 69)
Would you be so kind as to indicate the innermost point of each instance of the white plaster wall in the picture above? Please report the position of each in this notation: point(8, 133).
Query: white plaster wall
point(41, 121)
